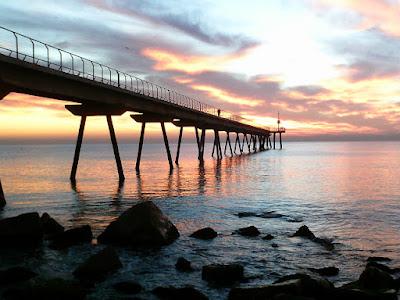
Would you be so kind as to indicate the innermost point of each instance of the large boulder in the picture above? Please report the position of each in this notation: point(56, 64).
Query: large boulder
point(206, 233)
point(50, 226)
point(15, 275)
point(71, 237)
point(98, 266)
point(375, 279)
point(25, 229)
point(184, 293)
point(142, 225)
point(51, 289)
point(305, 232)
point(222, 274)
point(297, 286)
point(248, 231)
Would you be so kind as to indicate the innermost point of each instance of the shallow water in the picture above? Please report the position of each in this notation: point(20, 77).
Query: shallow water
point(346, 191)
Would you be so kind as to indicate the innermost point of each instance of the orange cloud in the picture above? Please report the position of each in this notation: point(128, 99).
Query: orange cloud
point(226, 96)
point(166, 60)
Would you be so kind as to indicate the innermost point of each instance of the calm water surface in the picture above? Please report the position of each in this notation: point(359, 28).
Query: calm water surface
point(345, 191)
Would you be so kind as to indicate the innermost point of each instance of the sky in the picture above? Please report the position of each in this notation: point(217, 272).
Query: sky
point(331, 68)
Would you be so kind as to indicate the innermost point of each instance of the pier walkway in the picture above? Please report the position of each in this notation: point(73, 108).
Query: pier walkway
point(32, 67)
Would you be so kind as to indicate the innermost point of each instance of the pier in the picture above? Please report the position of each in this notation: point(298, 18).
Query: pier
point(29, 66)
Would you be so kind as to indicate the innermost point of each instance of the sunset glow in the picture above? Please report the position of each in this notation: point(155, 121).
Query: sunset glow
point(329, 67)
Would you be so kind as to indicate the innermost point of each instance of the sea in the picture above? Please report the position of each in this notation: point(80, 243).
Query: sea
point(347, 192)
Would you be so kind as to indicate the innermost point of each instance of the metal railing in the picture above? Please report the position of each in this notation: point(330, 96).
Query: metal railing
point(30, 50)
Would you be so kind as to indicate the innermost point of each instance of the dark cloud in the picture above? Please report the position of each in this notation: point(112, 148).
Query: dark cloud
point(370, 53)
point(191, 25)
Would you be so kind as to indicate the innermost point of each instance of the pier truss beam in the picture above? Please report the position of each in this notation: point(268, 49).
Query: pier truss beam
point(85, 111)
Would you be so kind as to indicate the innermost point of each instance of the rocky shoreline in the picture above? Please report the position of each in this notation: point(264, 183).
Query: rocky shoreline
point(145, 226)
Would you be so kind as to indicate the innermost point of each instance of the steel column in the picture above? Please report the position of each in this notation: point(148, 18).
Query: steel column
point(72, 176)
point(139, 155)
point(274, 140)
point(115, 148)
point(171, 166)
point(2, 198)
point(280, 139)
point(179, 146)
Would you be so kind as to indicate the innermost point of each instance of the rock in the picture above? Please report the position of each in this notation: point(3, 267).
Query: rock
point(268, 237)
point(204, 234)
point(292, 287)
point(246, 214)
point(309, 285)
point(222, 274)
point(327, 271)
point(358, 294)
point(143, 224)
point(378, 258)
point(304, 231)
point(57, 288)
point(270, 215)
point(172, 293)
point(98, 266)
point(375, 279)
point(183, 265)
point(72, 237)
point(273, 245)
point(25, 229)
point(248, 231)
point(50, 226)
point(127, 287)
point(15, 274)
point(2, 198)
point(383, 267)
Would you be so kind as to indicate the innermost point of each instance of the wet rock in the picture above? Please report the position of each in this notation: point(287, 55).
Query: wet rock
point(183, 265)
point(327, 271)
point(25, 229)
point(374, 278)
point(270, 215)
point(305, 232)
point(50, 226)
point(205, 234)
point(273, 245)
point(268, 237)
point(57, 288)
point(15, 274)
point(378, 259)
point(383, 267)
point(294, 220)
point(222, 274)
point(98, 266)
point(248, 231)
point(172, 293)
point(291, 287)
point(357, 294)
point(246, 214)
point(308, 285)
point(127, 287)
point(143, 224)
point(72, 237)
point(264, 215)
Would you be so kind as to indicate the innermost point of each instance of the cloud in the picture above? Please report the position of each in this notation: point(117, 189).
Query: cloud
point(370, 54)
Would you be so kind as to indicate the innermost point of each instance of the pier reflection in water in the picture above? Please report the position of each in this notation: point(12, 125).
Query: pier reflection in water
point(345, 191)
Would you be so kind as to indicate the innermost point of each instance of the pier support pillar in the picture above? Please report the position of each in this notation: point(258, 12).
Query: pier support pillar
point(2, 198)
point(217, 145)
point(274, 139)
point(139, 154)
point(72, 176)
point(201, 145)
point(179, 146)
point(280, 139)
point(115, 149)
point(171, 165)
point(228, 141)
